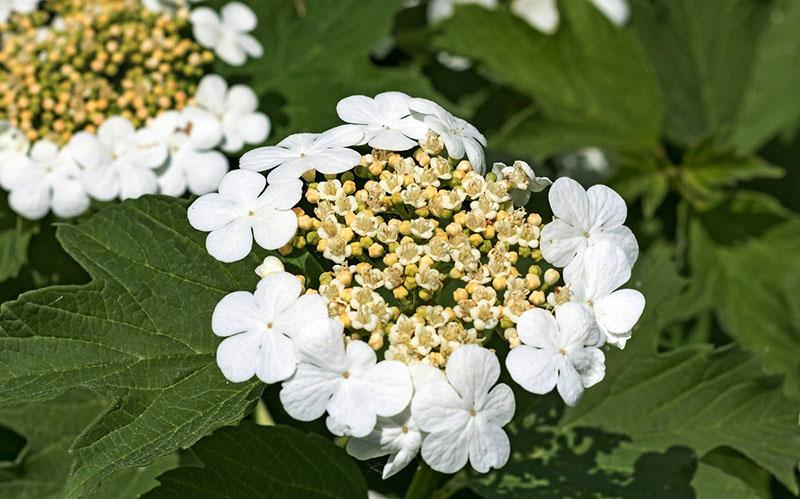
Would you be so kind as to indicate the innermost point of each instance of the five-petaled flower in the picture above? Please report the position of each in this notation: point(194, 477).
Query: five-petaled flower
point(521, 196)
point(557, 352)
point(47, 179)
point(119, 161)
point(229, 34)
point(325, 152)
point(398, 436)
point(385, 120)
point(593, 280)
point(243, 210)
point(463, 414)
point(459, 137)
point(258, 328)
point(237, 110)
point(584, 218)
point(347, 382)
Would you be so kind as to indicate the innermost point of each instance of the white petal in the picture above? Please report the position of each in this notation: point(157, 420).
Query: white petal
point(541, 14)
point(237, 356)
point(570, 202)
point(569, 383)
point(102, 182)
point(254, 128)
point(446, 452)
point(242, 185)
point(472, 370)
point(498, 408)
point(211, 93)
point(307, 308)
point(340, 136)
point(87, 150)
point(336, 161)
point(398, 461)
point(115, 130)
point(135, 182)
point(620, 311)
point(475, 154)
point(230, 243)
point(532, 369)
point(618, 11)
point(305, 395)
point(600, 269)
point(575, 324)
point(276, 292)
point(560, 242)
point(205, 26)
point(277, 360)
point(205, 171)
point(69, 198)
point(538, 328)
point(206, 129)
point(349, 405)
point(31, 201)
point(265, 158)
point(150, 150)
point(454, 145)
point(211, 212)
point(358, 109)
point(283, 195)
point(237, 312)
point(437, 407)
point(590, 365)
point(606, 207)
point(488, 448)
point(238, 16)
point(388, 386)
point(274, 229)
point(44, 151)
point(391, 140)
point(230, 51)
point(622, 237)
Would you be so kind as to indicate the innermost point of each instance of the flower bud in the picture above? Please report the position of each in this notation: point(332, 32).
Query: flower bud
point(270, 265)
point(551, 276)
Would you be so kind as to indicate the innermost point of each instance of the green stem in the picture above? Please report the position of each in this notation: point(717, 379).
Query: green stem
point(423, 483)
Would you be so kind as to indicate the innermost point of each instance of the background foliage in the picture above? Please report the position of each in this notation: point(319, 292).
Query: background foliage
point(107, 380)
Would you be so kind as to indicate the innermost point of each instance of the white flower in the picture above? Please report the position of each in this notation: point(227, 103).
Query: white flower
point(243, 209)
point(593, 280)
point(236, 109)
point(557, 352)
point(438, 10)
point(397, 436)
point(270, 265)
point(459, 137)
point(47, 179)
point(119, 161)
point(535, 184)
point(7, 7)
point(228, 35)
point(168, 6)
point(543, 14)
point(345, 381)
point(325, 152)
point(584, 218)
point(258, 328)
point(385, 120)
point(191, 136)
point(463, 414)
point(12, 143)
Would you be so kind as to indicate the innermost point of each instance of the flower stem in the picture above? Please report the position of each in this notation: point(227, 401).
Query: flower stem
point(423, 483)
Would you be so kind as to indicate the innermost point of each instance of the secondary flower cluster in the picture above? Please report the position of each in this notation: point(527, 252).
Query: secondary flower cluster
point(428, 263)
point(113, 99)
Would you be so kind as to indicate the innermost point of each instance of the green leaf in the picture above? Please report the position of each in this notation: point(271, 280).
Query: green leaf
point(139, 332)
point(15, 235)
point(756, 290)
point(590, 81)
point(716, 62)
point(319, 54)
point(252, 460)
point(702, 179)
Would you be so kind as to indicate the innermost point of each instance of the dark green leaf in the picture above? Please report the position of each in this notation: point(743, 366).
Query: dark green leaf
point(278, 461)
point(139, 332)
point(15, 234)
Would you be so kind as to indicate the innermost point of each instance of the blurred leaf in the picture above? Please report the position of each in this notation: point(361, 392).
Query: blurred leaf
point(756, 289)
point(316, 56)
point(702, 180)
point(140, 332)
point(716, 62)
point(252, 460)
point(590, 81)
point(15, 234)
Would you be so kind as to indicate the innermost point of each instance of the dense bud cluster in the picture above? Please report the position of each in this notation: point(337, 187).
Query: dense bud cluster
point(427, 254)
point(71, 64)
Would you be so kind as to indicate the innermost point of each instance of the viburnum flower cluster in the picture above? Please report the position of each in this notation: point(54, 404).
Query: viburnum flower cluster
point(435, 274)
point(109, 100)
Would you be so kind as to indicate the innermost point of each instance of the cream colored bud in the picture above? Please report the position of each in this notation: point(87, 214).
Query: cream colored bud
point(270, 265)
point(376, 250)
point(400, 293)
point(375, 341)
point(345, 277)
point(499, 283)
point(551, 276)
point(460, 294)
point(537, 298)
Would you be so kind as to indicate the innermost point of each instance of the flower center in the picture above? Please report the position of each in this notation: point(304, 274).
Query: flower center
point(251, 213)
point(473, 412)
point(562, 352)
point(346, 374)
point(586, 234)
point(269, 325)
point(405, 429)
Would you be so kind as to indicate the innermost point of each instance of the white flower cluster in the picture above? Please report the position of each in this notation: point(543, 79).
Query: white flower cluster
point(174, 153)
point(402, 406)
